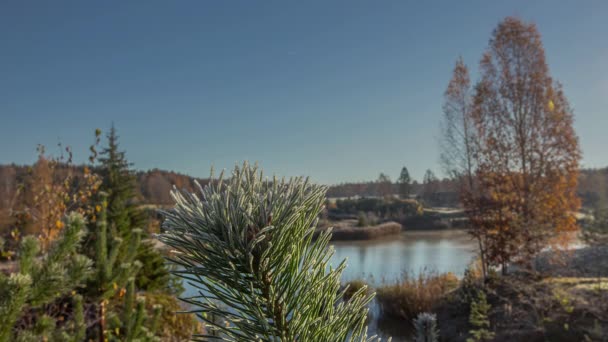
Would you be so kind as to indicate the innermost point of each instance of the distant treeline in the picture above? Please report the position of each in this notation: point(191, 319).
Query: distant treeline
point(379, 189)
point(154, 186)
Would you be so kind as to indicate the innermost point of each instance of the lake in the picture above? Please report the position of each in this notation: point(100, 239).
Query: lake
point(386, 259)
point(411, 251)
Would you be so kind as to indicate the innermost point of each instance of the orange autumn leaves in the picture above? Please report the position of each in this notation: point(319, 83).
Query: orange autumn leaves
point(524, 151)
point(52, 188)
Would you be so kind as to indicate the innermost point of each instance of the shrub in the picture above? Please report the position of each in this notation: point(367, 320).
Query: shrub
point(362, 221)
point(413, 295)
point(425, 326)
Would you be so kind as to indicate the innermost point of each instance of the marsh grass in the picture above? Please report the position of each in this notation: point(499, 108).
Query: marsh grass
point(412, 295)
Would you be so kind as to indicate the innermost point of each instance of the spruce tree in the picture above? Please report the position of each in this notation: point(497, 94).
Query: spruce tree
point(404, 183)
point(480, 308)
point(124, 215)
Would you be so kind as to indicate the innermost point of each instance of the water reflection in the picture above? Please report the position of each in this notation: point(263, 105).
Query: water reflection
point(385, 260)
point(412, 251)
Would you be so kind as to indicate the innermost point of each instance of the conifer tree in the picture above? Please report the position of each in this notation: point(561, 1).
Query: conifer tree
point(114, 276)
point(247, 244)
point(404, 183)
point(479, 319)
point(44, 279)
point(124, 216)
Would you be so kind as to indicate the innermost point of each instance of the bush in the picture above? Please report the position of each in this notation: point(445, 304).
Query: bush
point(362, 221)
point(413, 295)
point(425, 327)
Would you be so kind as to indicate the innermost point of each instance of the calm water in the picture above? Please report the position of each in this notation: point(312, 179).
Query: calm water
point(386, 260)
point(412, 251)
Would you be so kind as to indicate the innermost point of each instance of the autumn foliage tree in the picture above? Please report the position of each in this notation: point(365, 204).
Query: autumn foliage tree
point(51, 189)
point(459, 142)
point(526, 152)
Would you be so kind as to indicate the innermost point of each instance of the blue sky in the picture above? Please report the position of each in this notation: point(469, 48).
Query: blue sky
point(337, 90)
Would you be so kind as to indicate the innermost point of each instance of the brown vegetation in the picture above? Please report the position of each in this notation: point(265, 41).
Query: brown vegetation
point(343, 233)
point(413, 295)
point(517, 160)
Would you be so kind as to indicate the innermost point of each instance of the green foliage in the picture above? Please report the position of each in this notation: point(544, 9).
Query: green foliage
point(479, 319)
point(247, 243)
point(121, 313)
point(45, 279)
point(362, 220)
point(114, 259)
point(131, 326)
point(385, 208)
point(404, 183)
point(124, 216)
point(425, 327)
point(154, 274)
point(172, 324)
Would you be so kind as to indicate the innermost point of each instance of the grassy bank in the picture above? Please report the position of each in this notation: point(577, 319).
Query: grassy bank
point(411, 295)
point(565, 302)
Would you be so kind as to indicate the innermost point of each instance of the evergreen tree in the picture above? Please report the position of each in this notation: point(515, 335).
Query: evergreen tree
point(124, 215)
point(114, 276)
point(247, 243)
point(46, 279)
point(479, 319)
point(404, 183)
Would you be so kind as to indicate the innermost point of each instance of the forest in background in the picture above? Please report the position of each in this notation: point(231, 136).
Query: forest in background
point(154, 186)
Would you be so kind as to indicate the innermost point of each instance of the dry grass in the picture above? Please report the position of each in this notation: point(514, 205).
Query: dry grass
point(365, 233)
point(413, 295)
point(580, 283)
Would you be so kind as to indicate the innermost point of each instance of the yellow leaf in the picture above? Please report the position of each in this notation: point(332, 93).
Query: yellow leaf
point(551, 105)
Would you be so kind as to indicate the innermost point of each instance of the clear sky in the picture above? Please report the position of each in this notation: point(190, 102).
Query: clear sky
point(337, 90)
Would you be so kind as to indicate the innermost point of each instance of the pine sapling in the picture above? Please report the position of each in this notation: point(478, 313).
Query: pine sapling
point(247, 244)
